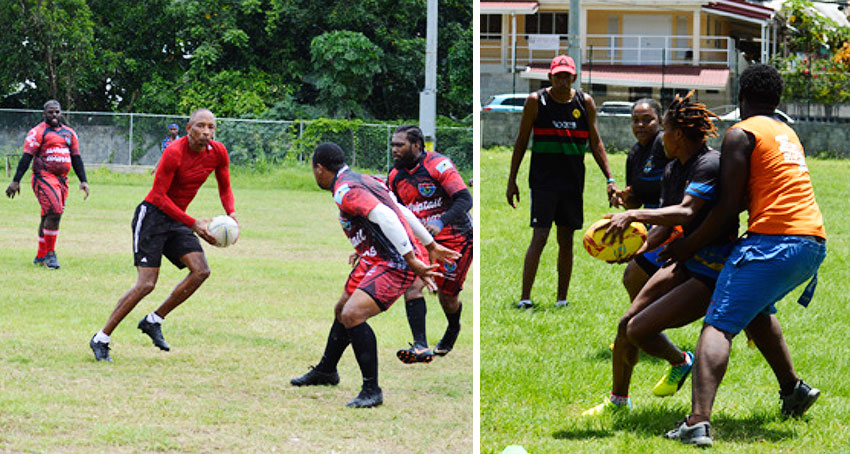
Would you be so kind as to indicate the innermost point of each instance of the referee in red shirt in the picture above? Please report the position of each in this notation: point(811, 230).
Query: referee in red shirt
point(162, 227)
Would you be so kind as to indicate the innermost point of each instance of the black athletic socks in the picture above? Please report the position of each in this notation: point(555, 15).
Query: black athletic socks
point(365, 348)
point(454, 319)
point(416, 310)
point(337, 343)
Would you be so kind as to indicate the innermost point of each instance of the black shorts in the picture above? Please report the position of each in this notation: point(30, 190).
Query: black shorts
point(156, 234)
point(563, 207)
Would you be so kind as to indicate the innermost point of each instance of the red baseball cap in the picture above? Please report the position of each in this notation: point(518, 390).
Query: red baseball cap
point(562, 63)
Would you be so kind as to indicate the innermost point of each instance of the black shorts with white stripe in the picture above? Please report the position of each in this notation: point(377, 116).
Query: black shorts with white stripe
point(156, 234)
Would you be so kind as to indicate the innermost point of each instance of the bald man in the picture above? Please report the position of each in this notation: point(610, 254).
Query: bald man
point(161, 226)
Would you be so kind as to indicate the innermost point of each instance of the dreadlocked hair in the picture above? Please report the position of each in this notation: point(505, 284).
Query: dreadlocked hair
point(691, 117)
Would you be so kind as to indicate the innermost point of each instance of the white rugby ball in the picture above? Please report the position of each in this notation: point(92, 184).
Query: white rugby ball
point(224, 229)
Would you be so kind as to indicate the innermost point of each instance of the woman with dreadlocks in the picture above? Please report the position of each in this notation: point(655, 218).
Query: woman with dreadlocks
point(679, 294)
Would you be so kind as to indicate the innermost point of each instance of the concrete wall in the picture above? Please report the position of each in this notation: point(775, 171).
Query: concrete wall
point(501, 128)
point(98, 144)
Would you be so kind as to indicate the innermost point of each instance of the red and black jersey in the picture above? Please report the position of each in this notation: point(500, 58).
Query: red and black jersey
point(51, 148)
point(182, 172)
point(427, 191)
point(356, 195)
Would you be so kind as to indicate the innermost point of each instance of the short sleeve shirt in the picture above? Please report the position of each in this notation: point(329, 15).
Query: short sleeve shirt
point(52, 148)
point(644, 170)
point(698, 177)
point(427, 191)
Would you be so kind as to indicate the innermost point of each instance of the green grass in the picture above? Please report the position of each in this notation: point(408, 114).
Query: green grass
point(260, 319)
point(541, 368)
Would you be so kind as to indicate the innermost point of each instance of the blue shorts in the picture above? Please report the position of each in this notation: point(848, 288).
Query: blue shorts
point(761, 270)
point(707, 263)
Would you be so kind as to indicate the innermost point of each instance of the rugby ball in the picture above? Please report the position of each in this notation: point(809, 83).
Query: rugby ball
point(633, 239)
point(224, 229)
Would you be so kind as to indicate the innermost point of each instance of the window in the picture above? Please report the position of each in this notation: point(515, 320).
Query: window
point(599, 89)
point(491, 26)
point(636, 93)
point(548, 24)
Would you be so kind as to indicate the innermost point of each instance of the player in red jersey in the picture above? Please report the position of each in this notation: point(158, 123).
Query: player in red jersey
point(162, 227)
point(431, 187)
point(53, 149)
point(384, 234)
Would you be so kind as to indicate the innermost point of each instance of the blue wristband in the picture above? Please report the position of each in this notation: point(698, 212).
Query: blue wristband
point(611, 180)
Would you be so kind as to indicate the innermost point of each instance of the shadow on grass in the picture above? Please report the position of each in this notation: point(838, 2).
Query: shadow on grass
point(605, 354)
point(654, 422)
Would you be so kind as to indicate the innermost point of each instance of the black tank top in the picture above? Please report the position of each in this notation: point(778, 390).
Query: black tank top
point(560, 139)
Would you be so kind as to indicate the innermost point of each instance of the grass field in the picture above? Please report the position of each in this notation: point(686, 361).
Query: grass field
point(260, 319)
point(541, 368)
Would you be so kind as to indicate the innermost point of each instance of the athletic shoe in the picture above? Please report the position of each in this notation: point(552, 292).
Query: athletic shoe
point(315, 377)
point(800, 399)
point(101, 350)
point(608, 407)
point(38, 261)
point(368, 398)
point(51, 261)
point(524, 304)
point(561, 303)
point(447, 342)
point(154, 330)
point(673, 380)
point(698, 434)
point(415, 354)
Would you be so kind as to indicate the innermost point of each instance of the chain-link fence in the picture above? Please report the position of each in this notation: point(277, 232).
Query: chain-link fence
point(134, 139)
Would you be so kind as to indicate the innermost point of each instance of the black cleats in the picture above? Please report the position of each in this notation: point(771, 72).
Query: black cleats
point(368, 398)
point(415, 354)
point(154, 330)
point(101, 350)
point(316, 377)
point(447, 342)
point(51, 261)
point(796, 403)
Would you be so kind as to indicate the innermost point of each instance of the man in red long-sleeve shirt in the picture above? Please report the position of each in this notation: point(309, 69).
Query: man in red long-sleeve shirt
point(162, 227)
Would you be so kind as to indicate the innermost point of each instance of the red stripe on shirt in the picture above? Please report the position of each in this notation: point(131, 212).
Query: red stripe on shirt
point(562, 132)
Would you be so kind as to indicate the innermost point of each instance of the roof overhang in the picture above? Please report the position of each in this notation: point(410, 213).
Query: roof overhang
point(685, 77)
point(516, 8)
point(741, 10)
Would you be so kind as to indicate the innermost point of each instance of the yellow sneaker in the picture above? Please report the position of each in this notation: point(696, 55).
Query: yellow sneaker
point(607, 407)
point(673, 380)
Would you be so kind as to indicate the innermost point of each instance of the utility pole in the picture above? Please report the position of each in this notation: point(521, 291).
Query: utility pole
point(575, 49)
point(428, 96)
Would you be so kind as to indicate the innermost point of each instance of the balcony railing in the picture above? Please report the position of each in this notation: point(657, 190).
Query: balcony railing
point(610, 49)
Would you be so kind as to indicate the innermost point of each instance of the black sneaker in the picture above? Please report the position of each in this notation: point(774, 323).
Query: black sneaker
point(101, 350)
point(154, 330)
point(800, 399)
point(38, 261)
point(316, 377)
point(447, 342)
point(51, 261)
point(698, 434)
point(415, 354)
point(368, 398)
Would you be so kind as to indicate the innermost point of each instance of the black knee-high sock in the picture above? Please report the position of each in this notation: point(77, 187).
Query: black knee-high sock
point(337, 342)
point(365, 348)
point(416, 310)
point(454, 319)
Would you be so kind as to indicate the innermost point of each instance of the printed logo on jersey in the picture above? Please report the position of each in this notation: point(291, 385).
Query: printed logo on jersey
point(648, 167)
point(565, 124)
point(427, 189)
point(340, 193)
point(792, 152)
point(450, 267)
point(31, 139)
point(576, 113)
point(345, 223)
point(444, 165)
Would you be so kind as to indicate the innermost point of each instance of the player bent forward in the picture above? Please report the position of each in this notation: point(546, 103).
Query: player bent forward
point(382, 232)
point(162, 227)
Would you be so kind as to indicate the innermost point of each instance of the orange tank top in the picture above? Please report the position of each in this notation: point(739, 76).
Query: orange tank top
point(781, 197)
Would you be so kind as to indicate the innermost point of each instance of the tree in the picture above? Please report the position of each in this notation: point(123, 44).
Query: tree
point(47, 51)
point(344, 64)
